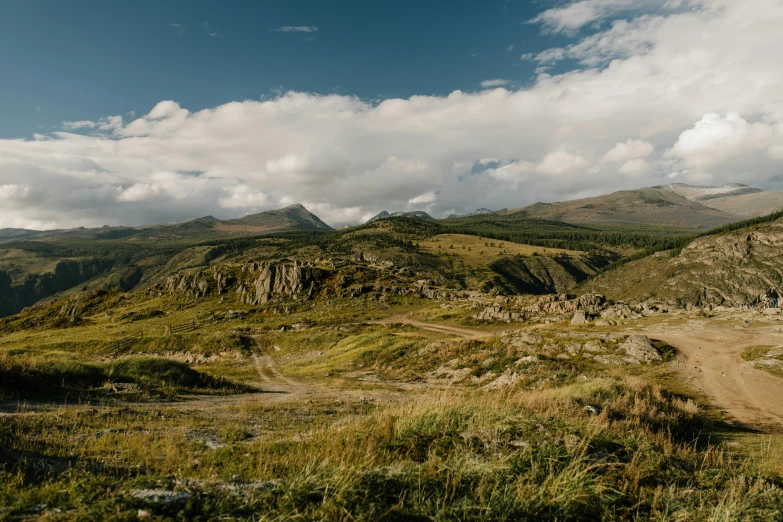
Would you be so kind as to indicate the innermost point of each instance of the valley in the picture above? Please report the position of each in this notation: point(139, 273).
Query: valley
point(493, 366)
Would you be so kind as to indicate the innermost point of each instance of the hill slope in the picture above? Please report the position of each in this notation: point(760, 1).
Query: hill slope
point(741, 267)
point(645, 206)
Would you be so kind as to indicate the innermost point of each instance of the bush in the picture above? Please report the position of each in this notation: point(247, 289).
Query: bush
point(56, 376)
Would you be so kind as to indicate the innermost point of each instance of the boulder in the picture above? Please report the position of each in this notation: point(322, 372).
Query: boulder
point(580, 317)
point(640, 350)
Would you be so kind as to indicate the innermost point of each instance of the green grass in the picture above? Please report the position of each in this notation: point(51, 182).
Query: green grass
point(767, 358)
point(55, 376)
point(456, 456)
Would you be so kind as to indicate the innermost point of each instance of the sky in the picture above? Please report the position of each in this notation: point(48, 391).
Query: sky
point(147, 112)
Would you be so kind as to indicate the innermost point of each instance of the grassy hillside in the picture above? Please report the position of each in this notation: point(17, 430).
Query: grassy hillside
point(312, 410)
point(537, 256)
point(735, 265)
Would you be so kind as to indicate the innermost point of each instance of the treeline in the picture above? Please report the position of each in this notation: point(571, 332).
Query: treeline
point(544, 233)
point(340, 242)
point(120, 252)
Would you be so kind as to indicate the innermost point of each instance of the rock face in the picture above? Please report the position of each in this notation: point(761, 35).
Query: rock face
point(255, 283)
point(640, 350)
point(580, 317)
point(284, 280)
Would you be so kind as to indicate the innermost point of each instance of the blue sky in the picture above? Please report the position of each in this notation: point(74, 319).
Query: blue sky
point(112, 114)
point(78, 59)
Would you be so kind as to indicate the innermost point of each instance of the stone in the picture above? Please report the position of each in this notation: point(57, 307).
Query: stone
point(640, 350)
point(580, 318)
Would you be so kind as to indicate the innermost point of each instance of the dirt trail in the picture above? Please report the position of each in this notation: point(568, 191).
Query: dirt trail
point(710, 359)
point(442, 328)
point(270, 377)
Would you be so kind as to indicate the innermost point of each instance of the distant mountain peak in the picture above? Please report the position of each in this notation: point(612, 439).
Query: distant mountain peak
point(292, 217)
point(478, 212)
point(415, 214)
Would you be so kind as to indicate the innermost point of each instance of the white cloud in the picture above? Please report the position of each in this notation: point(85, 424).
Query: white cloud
point(715, 139)
point(141, 192)
point(423, 199)
point(109, 123)
point(82, 124)
point(510, 48)
point(487, 84)
point(297, 29)
point(13, 191)
point(634, 166)
point(244, 197)
point(513, 173)
point(630, 150)
point(579, 13)
point(560, 162)
point(649, 77)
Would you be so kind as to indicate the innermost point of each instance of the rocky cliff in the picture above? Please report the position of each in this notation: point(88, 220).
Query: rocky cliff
point(252, 283)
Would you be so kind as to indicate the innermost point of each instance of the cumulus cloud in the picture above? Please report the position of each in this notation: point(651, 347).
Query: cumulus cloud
point(630, 150)
point(425, 199)
point(714, 139)
point(705, 109)
point(244, 197)
point(560, 162)
point(634, 166)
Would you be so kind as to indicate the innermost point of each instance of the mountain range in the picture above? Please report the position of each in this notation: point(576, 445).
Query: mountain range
point(293, 217)
point(577, 238)
point(416, 214)
point(676, 205)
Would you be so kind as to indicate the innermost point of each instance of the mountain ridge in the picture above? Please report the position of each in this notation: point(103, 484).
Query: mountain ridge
point(415, 214)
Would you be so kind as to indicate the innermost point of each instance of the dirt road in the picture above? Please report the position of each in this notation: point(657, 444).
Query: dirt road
point(441, 328)
point(710, 358)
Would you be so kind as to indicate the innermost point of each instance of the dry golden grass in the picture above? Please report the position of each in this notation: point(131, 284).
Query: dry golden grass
point(477, 252)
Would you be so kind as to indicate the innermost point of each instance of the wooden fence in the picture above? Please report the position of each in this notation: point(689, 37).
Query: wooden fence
point(127, 341)
point(179, 328)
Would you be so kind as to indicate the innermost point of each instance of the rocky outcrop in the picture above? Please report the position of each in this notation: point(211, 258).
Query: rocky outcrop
point(253, 283)
point(580, 317)
point(613, 349)
point(289, 280)
point(558, 307)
